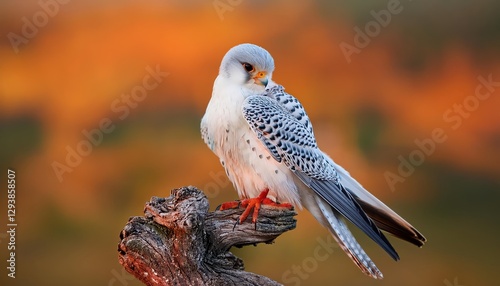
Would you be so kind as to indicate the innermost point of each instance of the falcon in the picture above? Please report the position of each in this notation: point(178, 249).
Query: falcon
point(265, 142)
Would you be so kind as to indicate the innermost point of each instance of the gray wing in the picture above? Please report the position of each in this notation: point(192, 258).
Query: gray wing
point(292, 142)
point(291, 105)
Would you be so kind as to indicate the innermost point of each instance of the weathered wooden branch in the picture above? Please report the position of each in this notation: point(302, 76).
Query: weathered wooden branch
point(178, 242)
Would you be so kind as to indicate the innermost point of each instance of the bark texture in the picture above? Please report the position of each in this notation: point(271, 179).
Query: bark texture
point(178, 242)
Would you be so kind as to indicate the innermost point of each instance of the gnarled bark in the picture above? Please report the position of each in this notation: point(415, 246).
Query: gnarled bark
point(178, 242)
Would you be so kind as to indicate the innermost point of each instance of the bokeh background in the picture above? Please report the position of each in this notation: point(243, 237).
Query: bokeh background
point(83, 59)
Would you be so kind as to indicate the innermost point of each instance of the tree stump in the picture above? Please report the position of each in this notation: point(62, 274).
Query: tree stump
point(178, 242)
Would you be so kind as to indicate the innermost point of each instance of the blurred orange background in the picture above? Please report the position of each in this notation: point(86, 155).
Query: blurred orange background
point(65, 67)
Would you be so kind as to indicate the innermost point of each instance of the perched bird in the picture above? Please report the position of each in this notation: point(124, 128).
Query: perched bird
point(265, 141)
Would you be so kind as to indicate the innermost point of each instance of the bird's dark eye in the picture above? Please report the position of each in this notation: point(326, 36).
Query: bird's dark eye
point(248, 67)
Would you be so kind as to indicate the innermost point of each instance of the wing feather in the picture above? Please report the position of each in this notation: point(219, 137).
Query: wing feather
point(292, 141)
point(383, 216)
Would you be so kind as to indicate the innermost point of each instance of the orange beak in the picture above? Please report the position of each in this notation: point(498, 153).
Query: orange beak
point(261, 78)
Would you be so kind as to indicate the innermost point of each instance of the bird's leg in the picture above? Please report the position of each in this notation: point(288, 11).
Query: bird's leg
point(253, 203)
point(229, 205)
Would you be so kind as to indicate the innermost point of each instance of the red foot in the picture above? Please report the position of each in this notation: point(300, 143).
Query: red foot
point(253, 203)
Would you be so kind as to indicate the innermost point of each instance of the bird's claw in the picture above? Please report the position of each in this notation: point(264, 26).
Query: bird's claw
point(252, 204)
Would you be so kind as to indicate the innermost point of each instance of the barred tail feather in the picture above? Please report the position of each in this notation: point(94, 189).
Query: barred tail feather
point(346, 240)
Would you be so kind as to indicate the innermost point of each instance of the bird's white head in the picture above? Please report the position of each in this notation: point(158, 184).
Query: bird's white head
point(248, 65)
